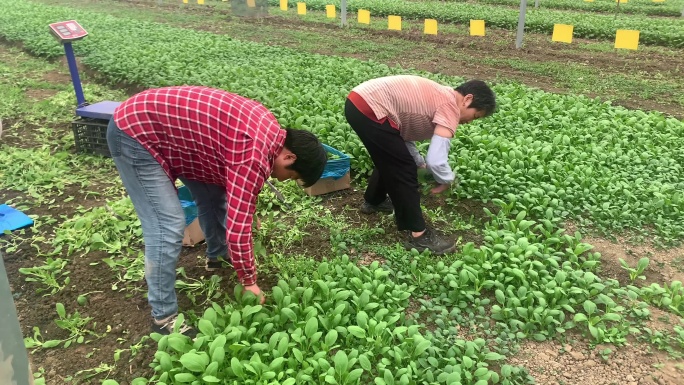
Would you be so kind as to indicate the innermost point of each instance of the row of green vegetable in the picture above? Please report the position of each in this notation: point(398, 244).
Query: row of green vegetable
point(671, 8)
point(663, 32)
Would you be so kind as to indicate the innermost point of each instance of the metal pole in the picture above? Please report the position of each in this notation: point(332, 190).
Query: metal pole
point(343, 13)
point(73, 69)
point(536, 3)
point(12, 351)
point(521, 24)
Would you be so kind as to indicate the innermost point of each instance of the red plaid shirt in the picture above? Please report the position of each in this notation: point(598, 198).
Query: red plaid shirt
point(211, 136)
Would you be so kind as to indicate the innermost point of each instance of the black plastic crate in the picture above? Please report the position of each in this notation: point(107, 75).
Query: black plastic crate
point(90, 136)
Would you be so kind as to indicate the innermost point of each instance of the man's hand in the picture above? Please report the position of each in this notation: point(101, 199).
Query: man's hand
point(439, 189)
point(255, 289)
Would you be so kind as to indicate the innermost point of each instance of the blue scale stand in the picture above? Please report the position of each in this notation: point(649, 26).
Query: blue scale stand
point(91, 125)
point(12, 219)
point(67, 32)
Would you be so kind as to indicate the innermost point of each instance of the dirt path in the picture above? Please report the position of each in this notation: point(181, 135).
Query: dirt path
point(578, 363)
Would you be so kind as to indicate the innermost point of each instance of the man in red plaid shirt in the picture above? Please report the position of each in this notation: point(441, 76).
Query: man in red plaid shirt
point(223, 147)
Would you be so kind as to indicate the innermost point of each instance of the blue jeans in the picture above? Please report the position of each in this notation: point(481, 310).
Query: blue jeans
point(156, 203)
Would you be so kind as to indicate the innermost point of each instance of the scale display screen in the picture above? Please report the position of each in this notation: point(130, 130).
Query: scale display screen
point(67, 31)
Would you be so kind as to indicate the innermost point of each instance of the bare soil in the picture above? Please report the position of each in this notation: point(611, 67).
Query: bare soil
point(39, 95)
point(665, 264)
point(577, 363)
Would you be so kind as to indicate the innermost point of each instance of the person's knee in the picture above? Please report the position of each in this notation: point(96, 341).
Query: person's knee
point(178, 227)
point(172, 228)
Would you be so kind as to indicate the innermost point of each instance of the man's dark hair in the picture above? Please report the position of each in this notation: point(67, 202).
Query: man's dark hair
point(483, 96)
point(311, 156)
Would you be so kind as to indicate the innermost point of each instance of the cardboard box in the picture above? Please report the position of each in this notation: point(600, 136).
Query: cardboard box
point(193, 234)
point(326, 185)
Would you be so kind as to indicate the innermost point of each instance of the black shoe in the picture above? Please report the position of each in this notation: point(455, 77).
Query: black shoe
point(211, 264)
point(384, 207)
point(430, 240)
point(165, 326)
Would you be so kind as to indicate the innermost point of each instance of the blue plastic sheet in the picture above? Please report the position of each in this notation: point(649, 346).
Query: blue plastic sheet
point(188, 204)
point(12, 219)
point(336, 168)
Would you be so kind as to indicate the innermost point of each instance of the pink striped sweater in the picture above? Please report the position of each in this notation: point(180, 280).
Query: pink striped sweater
point(413, 104)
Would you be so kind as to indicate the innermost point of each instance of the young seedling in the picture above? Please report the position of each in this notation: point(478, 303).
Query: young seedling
point(83, 298)
point(597, 322)
point(49, 275)
point(637, 272)
point(209, 289)
point(75, 325)
point(89, 373)
point(605, 354)
point(128, 270)
point(133, 349)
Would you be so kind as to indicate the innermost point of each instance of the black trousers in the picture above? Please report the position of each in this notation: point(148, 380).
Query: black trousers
point(395, 172)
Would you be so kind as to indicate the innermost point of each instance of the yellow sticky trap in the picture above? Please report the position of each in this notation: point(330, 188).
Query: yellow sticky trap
point(185, 1)
point(251, 3)
point(283, 5)
point(562, 33)
point(394, 23)
point(200, 2)
point(430, 27)
point(658, 1)
point(301, 8)
point(588, 1)
point(330, 11)
point(364, 16)
point(477, 28)
point(621, 1)
point(627, 39)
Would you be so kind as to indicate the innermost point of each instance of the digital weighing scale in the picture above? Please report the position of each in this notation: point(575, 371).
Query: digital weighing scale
point(90, 127)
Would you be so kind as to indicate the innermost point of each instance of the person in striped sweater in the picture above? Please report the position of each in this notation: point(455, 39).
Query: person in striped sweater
point(390, 112)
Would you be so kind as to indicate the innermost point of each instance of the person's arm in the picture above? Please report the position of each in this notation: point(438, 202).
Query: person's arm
point(241, 196)
point(446, 119)
point(413, 150)
point(438, 156)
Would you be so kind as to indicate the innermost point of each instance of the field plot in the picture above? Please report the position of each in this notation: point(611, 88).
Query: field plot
point(644, 7)
point(666, 32)
point(570, 214)
point(648, 79)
